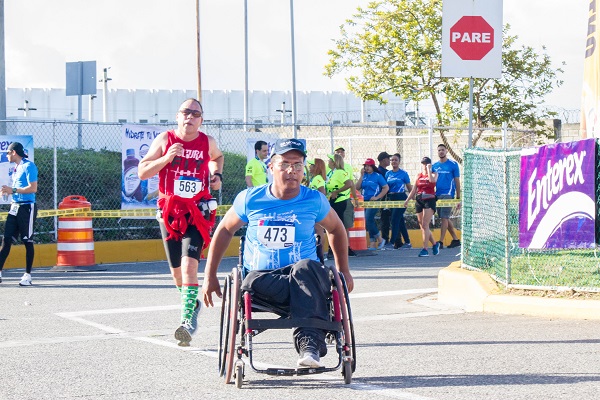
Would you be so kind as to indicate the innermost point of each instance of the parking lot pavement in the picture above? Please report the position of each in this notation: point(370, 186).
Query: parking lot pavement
point(109, 335)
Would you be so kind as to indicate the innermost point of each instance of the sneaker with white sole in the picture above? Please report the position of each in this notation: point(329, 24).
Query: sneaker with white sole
point(25, 280)
point(406, 246)
point(424, 253)
point(184, 334)
point(381, 244)
point(309, 353)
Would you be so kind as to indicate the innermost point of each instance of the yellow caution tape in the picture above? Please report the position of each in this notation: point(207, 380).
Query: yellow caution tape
point(86, 212)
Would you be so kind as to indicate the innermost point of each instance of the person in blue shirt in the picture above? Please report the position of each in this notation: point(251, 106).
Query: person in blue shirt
point(280, 252)
point(23, 210)
point(374, 188)
point(446, 187)
point(399, 183)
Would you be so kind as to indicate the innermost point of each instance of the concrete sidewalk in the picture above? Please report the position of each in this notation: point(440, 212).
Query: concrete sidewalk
point(476, 291)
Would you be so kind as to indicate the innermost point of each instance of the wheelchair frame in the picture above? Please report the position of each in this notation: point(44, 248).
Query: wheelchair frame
point(238, 319)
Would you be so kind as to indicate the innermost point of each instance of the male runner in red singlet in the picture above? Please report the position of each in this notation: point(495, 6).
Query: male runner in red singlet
point(189, 164)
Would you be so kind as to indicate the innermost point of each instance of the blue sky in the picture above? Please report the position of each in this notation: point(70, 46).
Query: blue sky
point(150, 44)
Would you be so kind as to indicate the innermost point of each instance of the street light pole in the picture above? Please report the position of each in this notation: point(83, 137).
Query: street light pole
point(198, 50)
point(294, 120)
point(246, 64)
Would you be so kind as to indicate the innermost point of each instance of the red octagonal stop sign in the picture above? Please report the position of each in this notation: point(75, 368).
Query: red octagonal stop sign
point(471, 38)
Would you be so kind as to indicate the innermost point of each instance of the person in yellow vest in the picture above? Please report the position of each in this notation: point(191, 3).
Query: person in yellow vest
point(317, 176)
point(349, 213)
point(256, 169)
point(338, 190)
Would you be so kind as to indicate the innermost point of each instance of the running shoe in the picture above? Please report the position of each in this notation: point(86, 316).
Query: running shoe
point(436, 249)
point(406, 246)
point(380, 247)
point(352, 253)
point(424, 253)
point(441, 245)
point(454, 243)
point(25, 280)
point(0, 276)
point(184, 334)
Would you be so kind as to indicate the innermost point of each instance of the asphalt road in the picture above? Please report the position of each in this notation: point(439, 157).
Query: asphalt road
point(109, 335)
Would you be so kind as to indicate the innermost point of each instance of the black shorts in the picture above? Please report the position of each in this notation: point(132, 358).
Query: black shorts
point(22, 223)
point(190, 244)
point(420, 205)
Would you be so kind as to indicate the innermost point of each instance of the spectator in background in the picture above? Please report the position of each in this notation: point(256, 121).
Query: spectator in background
point(446, 187)
point(385, 214)
point(256, 169)
point(424, 194)
point(349, 213)
point(317, 176)
point(337, 186)
point(374, 188)
point(399, 182)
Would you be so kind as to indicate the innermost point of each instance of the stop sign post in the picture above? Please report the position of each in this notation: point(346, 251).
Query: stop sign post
point(471, 38)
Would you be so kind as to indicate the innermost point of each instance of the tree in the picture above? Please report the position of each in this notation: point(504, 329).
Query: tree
point(395, 46)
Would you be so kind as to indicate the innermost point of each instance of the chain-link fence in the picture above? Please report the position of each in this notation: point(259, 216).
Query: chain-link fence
point(85, 159)
point(490, 230)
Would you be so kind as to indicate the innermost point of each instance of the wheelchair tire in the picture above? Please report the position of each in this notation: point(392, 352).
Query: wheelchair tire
point(224, 331)
point(239, 376)
point(349, 334)
point(233, 325)
point(347, 372)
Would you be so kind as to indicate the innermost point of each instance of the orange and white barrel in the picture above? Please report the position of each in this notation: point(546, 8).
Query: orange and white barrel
point(358, 232)
point(75, 243)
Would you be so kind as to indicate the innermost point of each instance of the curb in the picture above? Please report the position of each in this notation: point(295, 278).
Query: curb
point(476, 291)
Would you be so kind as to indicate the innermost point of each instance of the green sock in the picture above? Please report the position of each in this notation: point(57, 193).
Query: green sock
point(189, 295)
point(179, 288)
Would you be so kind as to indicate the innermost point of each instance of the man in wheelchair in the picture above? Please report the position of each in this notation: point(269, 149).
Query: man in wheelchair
point(280, 253)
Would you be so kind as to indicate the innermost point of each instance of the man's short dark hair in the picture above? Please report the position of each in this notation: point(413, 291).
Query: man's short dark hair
point(382, 156)
point(258, 145)
point(442, 145)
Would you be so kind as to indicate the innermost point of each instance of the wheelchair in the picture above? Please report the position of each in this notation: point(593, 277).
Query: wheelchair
point(239, 326)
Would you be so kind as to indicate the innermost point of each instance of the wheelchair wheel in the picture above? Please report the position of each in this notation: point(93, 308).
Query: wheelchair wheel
point(225, 321)
point(233, 324)
point(348, 329)
point(239, 375)
point(347, 372)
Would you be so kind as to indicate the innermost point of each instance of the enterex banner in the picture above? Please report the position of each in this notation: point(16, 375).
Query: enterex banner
point(556, 202)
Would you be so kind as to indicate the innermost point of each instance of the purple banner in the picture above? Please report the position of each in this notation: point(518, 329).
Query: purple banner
point(557, 202)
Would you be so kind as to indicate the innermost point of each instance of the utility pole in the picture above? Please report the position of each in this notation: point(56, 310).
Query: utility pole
point(198, 50)
point(283, 111)
point(91, 107)
point(26, 109)
point(105, 95)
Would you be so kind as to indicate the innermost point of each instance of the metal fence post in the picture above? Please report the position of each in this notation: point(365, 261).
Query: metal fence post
point(54, 178)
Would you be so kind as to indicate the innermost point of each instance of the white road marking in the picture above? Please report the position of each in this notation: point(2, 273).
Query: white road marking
point(392, 293)
point(115, 333)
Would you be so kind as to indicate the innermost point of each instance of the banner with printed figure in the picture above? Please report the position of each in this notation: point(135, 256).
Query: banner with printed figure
point(136, 141)
point(557, 198)
point(7, 168)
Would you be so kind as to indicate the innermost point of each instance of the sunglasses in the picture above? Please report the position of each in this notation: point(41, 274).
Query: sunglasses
point(194, 113)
